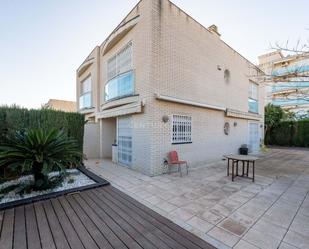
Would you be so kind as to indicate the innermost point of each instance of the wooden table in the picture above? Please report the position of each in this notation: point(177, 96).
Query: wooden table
point(246, 161)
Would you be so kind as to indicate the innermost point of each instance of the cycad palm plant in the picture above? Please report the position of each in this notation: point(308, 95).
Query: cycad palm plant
point(40, 151)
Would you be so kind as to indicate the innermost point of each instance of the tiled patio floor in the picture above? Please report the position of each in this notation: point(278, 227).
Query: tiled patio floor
point(271, 213)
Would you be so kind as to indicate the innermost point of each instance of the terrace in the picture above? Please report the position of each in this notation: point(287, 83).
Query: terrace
point(273, 212)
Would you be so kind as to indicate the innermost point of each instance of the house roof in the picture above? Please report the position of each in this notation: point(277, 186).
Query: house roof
point(61, 105)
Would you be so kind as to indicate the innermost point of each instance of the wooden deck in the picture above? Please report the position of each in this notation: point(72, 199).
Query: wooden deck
point(97, 218)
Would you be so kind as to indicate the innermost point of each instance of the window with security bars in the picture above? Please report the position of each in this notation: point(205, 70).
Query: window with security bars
point(182, 129)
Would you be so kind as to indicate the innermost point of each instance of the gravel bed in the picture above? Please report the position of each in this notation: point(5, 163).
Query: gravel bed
point(74, 179)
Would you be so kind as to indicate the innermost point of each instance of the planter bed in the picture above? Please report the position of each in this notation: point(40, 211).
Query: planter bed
point(77, 180)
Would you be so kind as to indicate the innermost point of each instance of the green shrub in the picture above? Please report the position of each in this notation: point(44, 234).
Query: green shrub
point(289, 133)
point(15, 118)
point(40, 151)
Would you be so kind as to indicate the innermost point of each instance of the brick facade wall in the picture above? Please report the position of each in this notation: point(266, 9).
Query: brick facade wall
point(175, 56)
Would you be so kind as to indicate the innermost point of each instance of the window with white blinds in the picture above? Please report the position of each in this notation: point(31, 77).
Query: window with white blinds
point(253, 91)
point(120, 78)
point(85, 93)
point(120, 63)
point(182, 129)
point(253, 97)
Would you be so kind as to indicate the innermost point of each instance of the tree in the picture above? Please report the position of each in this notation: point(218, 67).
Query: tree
point(273, 116)
point(39, 151)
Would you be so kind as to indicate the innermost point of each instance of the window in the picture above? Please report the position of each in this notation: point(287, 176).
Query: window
point(182, 126)
point(85, 94)
point(253, 98)
point(120, 80)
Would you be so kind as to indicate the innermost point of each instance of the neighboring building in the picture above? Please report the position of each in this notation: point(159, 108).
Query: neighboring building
point(285, 89)
point(160, 82)
point(61, 105)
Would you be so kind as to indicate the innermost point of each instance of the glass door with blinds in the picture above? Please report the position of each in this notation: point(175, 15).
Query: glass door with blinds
point(124, 130)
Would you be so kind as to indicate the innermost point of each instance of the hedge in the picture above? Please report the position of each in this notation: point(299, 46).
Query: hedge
point(290, 133)
point(15, 118)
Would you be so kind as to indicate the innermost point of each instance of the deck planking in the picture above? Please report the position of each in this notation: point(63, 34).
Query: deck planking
point(93, 219)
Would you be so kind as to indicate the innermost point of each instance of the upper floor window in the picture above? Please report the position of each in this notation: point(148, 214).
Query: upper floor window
point(120, 80)
point(85, 94)
point(182, 129)
point(253, 98)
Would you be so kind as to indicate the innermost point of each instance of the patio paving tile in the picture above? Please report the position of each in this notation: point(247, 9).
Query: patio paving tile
point(211, 217)
point(261, 239)
point(297, 240)
point(242, 218)
point(181, 214)
point(284, 245)
point(143, 194)
point(154, 200)
point(251, 210)
point(233, 226)
point(300, 225)
point(200, 224)
point(223, 236)
point(179, 201)
point(167, 207)
point(267, 227)
point(196, 208)
point(244, 245)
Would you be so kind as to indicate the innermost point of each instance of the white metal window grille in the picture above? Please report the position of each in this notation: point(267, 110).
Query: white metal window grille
point(182, 129)
point(120, 63)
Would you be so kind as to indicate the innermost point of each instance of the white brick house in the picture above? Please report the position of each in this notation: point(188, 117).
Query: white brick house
point(160, 82)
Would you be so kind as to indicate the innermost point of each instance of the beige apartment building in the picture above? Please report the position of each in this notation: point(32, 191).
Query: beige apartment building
point(287, 87)
point(161, 81)
point(61, 105)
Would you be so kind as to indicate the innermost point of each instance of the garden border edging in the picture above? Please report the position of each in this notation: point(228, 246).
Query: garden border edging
point(100, 182)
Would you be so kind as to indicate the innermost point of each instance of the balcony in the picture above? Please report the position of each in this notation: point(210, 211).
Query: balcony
point(120, 86)
point(85, 101)
point(253, 105)
point(290, 102)
point(285, 86)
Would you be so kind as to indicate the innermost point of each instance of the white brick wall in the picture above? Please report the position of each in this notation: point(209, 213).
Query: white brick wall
point(175, 56)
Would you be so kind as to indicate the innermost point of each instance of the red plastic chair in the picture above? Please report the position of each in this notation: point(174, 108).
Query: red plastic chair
point(174, 160)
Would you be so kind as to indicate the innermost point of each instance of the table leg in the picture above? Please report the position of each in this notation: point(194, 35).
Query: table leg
point(253, 166)
point(243, 168)
point(247, 172)
point(233, 170)
point(228, 167)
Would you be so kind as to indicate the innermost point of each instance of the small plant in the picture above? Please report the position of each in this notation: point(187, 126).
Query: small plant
point(71, 181)
point(40, 152)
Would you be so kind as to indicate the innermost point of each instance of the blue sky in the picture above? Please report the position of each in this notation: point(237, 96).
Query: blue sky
point(42, 42)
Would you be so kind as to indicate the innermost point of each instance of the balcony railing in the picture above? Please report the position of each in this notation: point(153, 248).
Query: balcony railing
point(253, 105)
point(283, 86)
point(120, 86)
point(85, 101)
point(288, 102)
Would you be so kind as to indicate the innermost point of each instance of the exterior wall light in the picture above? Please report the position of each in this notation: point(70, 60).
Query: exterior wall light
point(165, 119)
